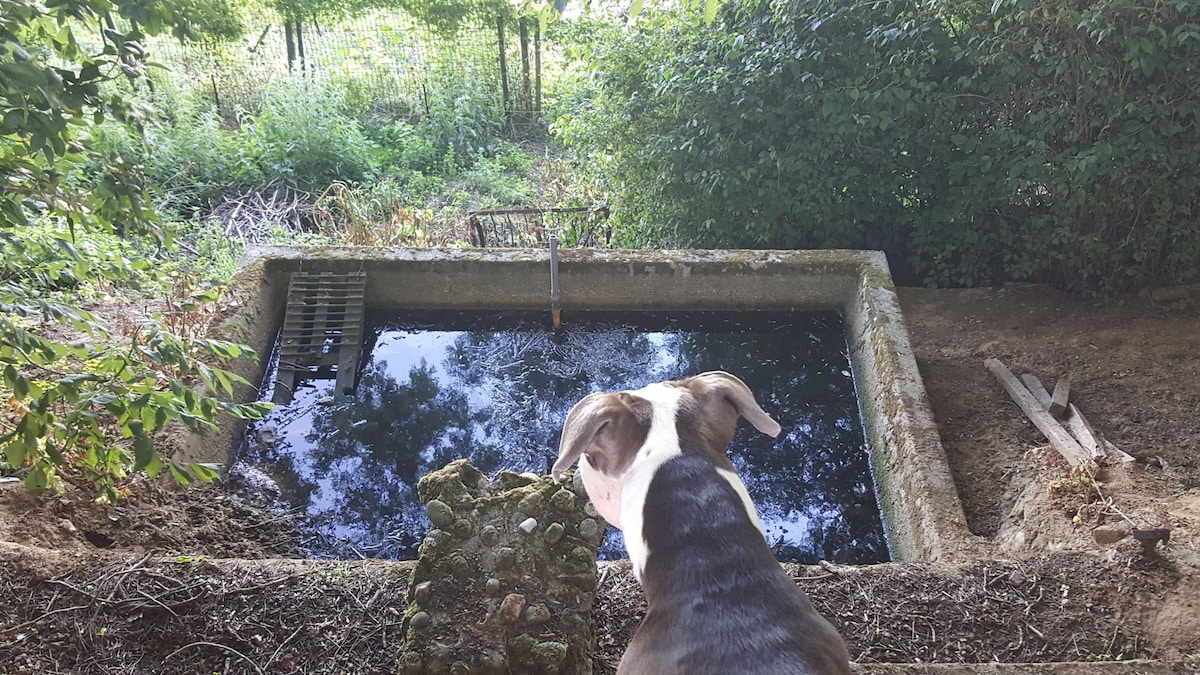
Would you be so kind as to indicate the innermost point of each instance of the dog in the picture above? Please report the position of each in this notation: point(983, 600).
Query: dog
point(653, 463)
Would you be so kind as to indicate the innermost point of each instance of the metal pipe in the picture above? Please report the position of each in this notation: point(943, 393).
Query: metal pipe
point(554, 310)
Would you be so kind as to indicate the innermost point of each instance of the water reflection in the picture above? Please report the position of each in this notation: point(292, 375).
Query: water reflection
point(496, 387)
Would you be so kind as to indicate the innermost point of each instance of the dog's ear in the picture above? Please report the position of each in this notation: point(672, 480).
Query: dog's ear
point(608, 429)
point(716, 388)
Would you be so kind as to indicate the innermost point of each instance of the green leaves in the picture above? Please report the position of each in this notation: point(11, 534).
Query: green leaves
point(82, 407)
point(103, 421)
point(49, 90)
point(93, 408)
point(973, 142)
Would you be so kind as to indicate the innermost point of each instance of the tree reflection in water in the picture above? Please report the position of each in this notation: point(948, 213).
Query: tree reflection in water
point(495, 387)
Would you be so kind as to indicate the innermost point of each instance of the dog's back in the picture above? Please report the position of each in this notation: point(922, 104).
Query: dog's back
point(719, 601)
point(654, 464)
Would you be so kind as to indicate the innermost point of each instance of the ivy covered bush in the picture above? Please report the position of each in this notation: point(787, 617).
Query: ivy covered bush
point(975, 142)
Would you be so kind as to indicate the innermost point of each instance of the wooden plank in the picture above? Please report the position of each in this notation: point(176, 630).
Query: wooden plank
point(1099, 446)
point(349, 347)
point(315, 337)
point(531, 212)
point(322, 328)
point(1060, 439)
point(326, 287)
point(1073, 420)
point(285, 384)
point(1116, 454)
point(295, 323)
point(1061, 397)
point(325, 284)
point(1104, 449)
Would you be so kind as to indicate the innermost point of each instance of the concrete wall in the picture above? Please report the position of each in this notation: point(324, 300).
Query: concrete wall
point(922, 513)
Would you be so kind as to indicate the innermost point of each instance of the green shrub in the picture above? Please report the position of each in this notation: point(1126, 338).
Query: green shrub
point(462, 122)
point(189, 154)
point(501, 180)
point(204, 249)
point(47, 262)
point(567, 78)
point(402, 148)
point(1101, 123)
point(195, 157)
point(303, 138)
point(974, 143)
point(92, 407)
point(74, 218)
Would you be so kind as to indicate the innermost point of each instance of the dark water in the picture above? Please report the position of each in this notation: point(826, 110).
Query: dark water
point(496, 386)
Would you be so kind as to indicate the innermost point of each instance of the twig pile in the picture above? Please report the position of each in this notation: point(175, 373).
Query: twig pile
point(1039, 610)
point(252, 215)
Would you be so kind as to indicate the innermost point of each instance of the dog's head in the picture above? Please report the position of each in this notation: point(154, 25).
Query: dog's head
point(617, 435)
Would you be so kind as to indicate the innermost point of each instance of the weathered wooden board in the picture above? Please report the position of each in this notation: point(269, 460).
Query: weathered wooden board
point(1059, 437)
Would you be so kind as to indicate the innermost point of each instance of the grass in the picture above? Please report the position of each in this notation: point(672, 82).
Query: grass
point(313, 165)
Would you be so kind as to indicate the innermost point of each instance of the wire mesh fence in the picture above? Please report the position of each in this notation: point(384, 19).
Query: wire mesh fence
point(382, 61)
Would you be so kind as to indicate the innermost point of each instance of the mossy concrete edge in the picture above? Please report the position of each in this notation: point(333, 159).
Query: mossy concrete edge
point(921, 508)
point(922, 512)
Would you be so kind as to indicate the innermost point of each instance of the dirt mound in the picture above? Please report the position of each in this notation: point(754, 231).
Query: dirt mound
point(104, 613)
point(101, 613)
point(159, 517)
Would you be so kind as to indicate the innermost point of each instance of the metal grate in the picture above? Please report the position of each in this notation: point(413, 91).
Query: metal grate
point(322, 332)
point(512, 228)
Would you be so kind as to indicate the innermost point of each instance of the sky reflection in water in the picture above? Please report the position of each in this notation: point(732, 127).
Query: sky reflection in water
point(496, 386)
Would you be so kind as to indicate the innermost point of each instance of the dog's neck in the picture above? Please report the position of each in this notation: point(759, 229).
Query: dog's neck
point(662, 443)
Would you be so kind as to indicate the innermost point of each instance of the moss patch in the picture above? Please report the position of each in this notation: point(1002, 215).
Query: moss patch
point(505, 580)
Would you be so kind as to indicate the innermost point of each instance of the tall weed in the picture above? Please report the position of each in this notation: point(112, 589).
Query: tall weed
point(382, 214)
point(501, 180)
point(375, 178)
point(462, 121)
point(303, 138)
point(195, 157)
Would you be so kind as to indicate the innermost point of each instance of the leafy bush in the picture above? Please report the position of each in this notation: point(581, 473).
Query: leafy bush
point(501, 180)
point(203, 249)
point(568, 78)
point(1102, 121)
point(461, 123)
point(86, 407)
point(303, 138)
point(90, 407)
point(188, 153)
point(300, 138)
point(195, 154)
point(974, 143)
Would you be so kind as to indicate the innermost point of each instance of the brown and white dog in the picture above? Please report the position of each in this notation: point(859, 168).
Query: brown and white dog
point(653, 462)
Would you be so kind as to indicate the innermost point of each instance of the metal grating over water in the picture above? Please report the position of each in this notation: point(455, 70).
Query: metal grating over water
point(322, 332)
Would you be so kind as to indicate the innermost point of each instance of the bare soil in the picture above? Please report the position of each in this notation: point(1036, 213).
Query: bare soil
point(1134, 368)
point(151, 585)
point(159, 518)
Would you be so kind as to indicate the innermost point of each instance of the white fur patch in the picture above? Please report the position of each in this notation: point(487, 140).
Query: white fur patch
point(662, 443)
point(604, 491)
point(740, 488)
